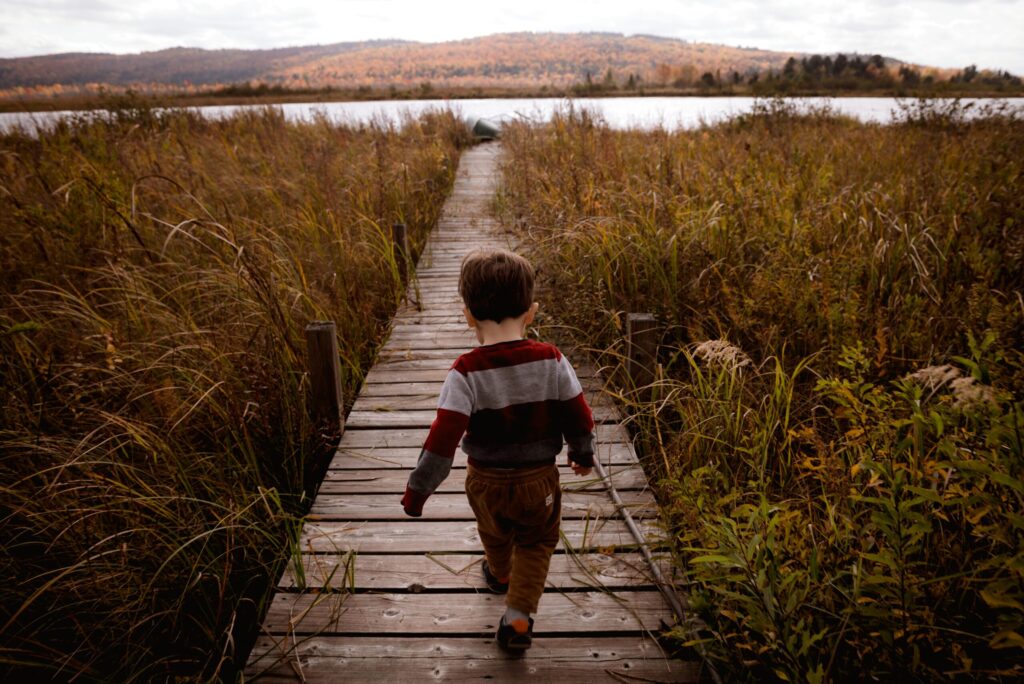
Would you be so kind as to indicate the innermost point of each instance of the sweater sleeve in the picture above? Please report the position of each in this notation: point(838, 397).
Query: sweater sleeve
point(435, 462)
point(577, 419)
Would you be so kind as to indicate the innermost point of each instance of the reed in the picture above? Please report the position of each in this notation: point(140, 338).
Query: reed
point(156, 274)
point(839, 512)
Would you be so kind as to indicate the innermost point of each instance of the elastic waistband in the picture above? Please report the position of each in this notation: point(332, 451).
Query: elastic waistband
point(500, 475)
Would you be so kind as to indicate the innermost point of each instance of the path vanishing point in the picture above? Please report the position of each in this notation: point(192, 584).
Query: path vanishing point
point(386, 598)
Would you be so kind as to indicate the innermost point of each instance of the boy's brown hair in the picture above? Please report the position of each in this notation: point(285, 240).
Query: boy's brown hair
point(496, 284)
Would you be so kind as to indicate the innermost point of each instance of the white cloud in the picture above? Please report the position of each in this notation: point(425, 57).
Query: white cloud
point(939, 32)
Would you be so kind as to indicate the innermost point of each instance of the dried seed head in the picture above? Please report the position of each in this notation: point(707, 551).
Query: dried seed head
point(721, 353)
point(968, 392)
point(934, 377)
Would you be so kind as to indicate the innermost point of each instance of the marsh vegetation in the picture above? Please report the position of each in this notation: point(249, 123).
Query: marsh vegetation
point(156, 274)
point(836, 424)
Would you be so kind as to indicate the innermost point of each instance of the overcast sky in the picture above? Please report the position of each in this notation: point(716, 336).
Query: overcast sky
point(953, 33)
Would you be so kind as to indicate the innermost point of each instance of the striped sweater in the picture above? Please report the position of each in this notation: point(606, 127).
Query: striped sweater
point(514, 402)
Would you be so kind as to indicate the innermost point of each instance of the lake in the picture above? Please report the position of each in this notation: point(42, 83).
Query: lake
point(625, 112)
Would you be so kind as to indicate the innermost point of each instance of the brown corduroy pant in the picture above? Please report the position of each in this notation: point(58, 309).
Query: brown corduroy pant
point(518, 513)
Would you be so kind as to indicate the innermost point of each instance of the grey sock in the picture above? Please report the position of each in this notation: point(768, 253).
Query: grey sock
point(514, 614)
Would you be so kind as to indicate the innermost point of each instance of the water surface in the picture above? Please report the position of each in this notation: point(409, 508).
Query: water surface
point(625, 112)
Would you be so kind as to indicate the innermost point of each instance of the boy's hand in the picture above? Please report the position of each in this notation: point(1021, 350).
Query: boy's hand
point(412, 503)
point(577, 469)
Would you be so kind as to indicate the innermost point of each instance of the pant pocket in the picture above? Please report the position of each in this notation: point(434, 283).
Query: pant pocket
point(539, 502)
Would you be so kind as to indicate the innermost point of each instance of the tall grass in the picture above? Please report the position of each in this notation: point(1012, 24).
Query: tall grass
point(841, 513)
point(158, 270)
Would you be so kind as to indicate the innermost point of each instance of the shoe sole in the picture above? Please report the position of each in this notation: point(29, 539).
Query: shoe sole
point(515, 642)
point(518, 644)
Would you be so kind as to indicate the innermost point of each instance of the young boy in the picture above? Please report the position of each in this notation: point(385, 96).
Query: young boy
point(515, 400)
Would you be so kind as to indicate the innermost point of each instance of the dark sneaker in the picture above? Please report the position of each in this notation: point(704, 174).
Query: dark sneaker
point(515, 636)
point(492, 582)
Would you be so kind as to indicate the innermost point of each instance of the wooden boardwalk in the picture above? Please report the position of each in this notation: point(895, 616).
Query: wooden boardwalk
point(388, 598)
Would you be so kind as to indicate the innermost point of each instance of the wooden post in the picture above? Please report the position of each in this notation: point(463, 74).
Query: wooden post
point(641, 349)
point(400, 241)
point(327, 401)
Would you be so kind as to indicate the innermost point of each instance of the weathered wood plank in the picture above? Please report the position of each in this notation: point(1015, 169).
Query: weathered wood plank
point(593, 386)
point(408, 314)
point(377, 375)
point(406, 328)
point(443, 572)
point(409, 660)
point(432, 614)
point(423, 349)
point(432, 389)
point(575, 505)
point(413, 400)
point(428, 536)
point(414, 437)
point(350, 455)
point(439, 340)
point(446, 340)
point(382, 374)
point(359, 419)
point(392, 481)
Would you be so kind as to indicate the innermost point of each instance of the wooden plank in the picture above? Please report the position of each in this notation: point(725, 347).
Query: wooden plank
point(439, 340)
point(379, 374)
point(575, 505)
point(423, 395)
point(425, 401)
point(435, 300)
point(358, 419)
point(408, 314)
point(428, 536)
point(404, 328)
point(409, 660)
point(449, 572)
point(422, 349)
point(350, 455)
point(432, 614)
point(393, 480)
point(432, 389)
point(414, 437)
point(591, 385)
point(376, 375)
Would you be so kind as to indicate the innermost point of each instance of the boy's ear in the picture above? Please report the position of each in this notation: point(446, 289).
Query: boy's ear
point(470, 321)
point(531, 312)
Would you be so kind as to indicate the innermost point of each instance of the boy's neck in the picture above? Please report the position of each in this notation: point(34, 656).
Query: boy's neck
point(509, 330)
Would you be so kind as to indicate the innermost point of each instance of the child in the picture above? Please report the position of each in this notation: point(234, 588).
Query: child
point(515, 400)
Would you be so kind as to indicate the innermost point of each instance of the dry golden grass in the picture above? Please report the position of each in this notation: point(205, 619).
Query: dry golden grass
point(156, 275)
point(839, 516)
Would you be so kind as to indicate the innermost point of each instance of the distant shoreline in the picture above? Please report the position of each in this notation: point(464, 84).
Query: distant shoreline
point(133, 100)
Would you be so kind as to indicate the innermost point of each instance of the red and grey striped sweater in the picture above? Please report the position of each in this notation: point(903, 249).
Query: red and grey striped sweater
point(514, 402)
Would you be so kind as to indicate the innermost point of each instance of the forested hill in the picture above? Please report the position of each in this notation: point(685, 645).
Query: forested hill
point(510, 60)
point(175, 66)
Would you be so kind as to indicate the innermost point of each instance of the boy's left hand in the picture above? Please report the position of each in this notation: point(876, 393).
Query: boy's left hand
point(579, 470)
point(412, 503)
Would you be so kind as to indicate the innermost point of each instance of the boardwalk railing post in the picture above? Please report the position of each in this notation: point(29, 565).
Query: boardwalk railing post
point(400, 242)
point(327, 400)
point(641, 349)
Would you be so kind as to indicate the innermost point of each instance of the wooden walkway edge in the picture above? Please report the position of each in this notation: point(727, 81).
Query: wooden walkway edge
point(381, 596)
